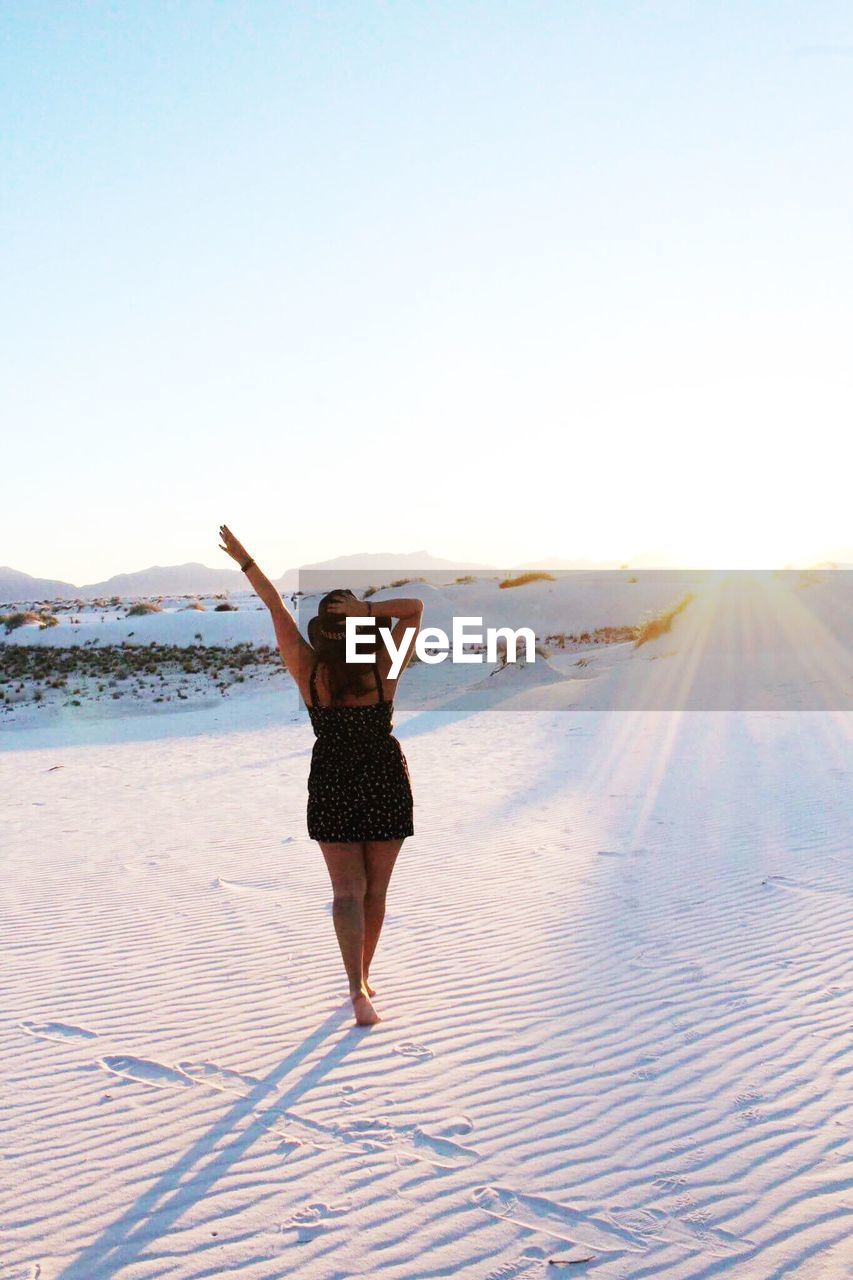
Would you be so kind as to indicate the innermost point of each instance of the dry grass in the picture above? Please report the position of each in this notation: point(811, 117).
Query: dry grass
point(522, 579)
point(144, 606)
point(11, 621)
point(601, 635)
point(651, 628)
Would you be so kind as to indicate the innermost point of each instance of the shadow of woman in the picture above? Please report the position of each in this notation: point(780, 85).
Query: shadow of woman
point(190, 1178)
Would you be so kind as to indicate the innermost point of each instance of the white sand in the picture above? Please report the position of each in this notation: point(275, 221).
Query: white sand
point(615, 981)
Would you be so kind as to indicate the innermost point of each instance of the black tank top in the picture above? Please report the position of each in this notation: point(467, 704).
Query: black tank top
point(349, 724)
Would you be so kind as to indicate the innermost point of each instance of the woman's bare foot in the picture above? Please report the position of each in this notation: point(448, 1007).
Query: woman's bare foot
point(371, 991)
point(365, 1014)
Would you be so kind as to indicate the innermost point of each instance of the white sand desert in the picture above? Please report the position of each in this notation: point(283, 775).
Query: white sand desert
point(615, 979)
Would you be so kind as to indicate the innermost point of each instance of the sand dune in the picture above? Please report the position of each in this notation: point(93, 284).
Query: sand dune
point(615, 982)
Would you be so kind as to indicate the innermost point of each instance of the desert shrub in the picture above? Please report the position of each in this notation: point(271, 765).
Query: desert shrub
point(402, 582)
point(601, 635)
point(144, 606)
point(196, 604)
point(465, 579)
point(371, 591)
point(12, 621)
point(651, 628)
point(225, 608)
point(48, 620)
point(522, 579)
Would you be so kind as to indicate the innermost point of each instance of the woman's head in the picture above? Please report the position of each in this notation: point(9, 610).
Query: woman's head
point(327, 631)
point(327, 637)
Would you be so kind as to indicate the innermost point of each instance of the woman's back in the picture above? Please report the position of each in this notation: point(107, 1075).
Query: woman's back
point(321, 694)
point(358, 785)
point(351, 724)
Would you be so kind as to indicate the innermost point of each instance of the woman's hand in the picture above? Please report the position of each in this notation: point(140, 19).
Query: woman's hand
point(235, 549)
point(349, 608)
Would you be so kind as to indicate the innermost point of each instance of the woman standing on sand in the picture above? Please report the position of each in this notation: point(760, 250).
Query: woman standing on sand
point(359, 794)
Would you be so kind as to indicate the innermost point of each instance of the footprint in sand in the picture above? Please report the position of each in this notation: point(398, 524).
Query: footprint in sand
point(369, 1132)
point(646, 1068)
point(218, 1077)
point(745, 1104)
point(411, 1049)
point(57, 1031)
point(433, 1146)
point(528, 1265)
point(408, 1141)
point(564, 1222)
point(670, 1180)
point(143, 1071)
point(311, 1220)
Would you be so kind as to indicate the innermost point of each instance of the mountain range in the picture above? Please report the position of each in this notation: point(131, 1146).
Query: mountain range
point(360, 570)
point(200, 579)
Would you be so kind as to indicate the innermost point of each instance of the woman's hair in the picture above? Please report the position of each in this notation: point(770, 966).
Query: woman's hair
point(327, 637)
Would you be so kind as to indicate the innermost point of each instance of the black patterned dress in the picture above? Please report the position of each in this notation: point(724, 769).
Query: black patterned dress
point(358, 785)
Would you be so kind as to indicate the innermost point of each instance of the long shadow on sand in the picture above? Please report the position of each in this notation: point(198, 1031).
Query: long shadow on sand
point(189, 1180)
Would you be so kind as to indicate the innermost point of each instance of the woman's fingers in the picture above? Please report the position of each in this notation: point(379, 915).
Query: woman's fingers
point(230, 544)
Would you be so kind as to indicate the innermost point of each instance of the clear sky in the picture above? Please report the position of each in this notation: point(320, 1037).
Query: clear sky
point(497, 280)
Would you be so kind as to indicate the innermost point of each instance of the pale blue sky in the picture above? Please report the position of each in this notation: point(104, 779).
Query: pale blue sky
point(498, 280)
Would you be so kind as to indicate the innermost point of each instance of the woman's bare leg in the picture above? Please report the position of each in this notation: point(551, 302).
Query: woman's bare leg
point(345, 862)
point(379, 859)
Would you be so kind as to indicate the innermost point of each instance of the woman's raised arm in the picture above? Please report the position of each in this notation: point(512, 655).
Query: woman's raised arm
point(296, 653)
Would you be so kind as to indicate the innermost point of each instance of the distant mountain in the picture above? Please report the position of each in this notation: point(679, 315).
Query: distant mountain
point(364, 569)
point(375, 569)
point(21, 588)
point(357, 571)
point(171, 580)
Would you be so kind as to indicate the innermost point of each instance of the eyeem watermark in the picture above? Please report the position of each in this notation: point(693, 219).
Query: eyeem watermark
point(434, 645)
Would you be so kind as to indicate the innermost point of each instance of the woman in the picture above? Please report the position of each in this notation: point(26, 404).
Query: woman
point(359, 794)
